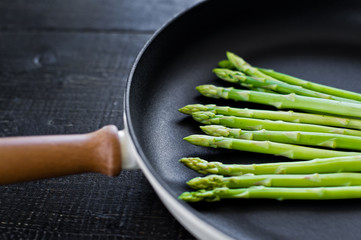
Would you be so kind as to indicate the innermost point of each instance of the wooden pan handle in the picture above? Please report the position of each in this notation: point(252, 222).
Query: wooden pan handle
point(30, 158)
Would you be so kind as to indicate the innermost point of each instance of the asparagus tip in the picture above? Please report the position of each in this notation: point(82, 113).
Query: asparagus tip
point(216, 70)
point(228, 53)
point(197, 140)
point(208, 90)
point(189, 197)
point(228, 75)
point(203, 116)
point(225, 64)
point(210, 196)
point(208, 182)
point(196, 164)
point(215, 130)
point(191, 108)
point(231, 56)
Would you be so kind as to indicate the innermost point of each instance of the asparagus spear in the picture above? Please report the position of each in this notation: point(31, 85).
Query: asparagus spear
point(274, 85)
point(226, 64)
point(241, 65)
point(237, 62)
point(251, 84)
point(324, 165)
point(289, 101)
point(277, 180)
point(279, 193)
point(311, 85)
point(292, 137)
point(288, 116)
point(266, 147)
point(258, 124)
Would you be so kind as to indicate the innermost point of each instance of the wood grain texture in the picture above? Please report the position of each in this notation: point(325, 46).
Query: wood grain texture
point(105, 16)
point(63, 69)
point(86, 206)
point(58, 82)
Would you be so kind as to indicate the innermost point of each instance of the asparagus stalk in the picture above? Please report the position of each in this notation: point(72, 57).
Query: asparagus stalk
point(292, 137)
point(258, 124)
point(277, 180)
point(324, 165)
point(237, 62)
point(266, 147)
point(288, 116)
point(311, 85)
point(279, 193)
point(289, 101)
point(274, 85)
point(258, 89)
point(249, 84)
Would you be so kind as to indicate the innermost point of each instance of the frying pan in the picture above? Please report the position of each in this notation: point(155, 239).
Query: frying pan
point(315, 40)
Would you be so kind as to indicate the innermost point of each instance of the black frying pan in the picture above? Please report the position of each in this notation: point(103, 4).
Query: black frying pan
point(315, 40)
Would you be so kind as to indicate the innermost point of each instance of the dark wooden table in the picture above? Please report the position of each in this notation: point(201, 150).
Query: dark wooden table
point(63, 69)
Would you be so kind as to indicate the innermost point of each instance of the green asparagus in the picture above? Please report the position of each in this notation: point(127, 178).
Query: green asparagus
point(240, 64)
point(330, 174)
point(277, 180)
point(279, 193)
point(258, 89)
point(226, 64)
point(243, 65)
point(289, 101)
point(323, 165)
point(292, 137)
point(266, 147)
point(311, 85)
point(274, 85)
point(258, 124)
point(249, 84)
point(288, 116)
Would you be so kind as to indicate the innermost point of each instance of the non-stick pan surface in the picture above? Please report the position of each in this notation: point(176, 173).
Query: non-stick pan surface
point(315, 40)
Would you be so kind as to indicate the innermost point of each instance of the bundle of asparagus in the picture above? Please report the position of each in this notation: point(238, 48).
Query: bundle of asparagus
point(332, 124)
point(319, 179)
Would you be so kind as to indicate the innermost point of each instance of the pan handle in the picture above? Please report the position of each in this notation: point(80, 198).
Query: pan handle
point(36, 157)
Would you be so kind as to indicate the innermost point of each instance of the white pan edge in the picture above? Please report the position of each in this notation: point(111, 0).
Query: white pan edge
point(195, 225)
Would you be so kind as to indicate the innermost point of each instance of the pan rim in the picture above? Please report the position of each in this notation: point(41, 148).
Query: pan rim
point(194, 224)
